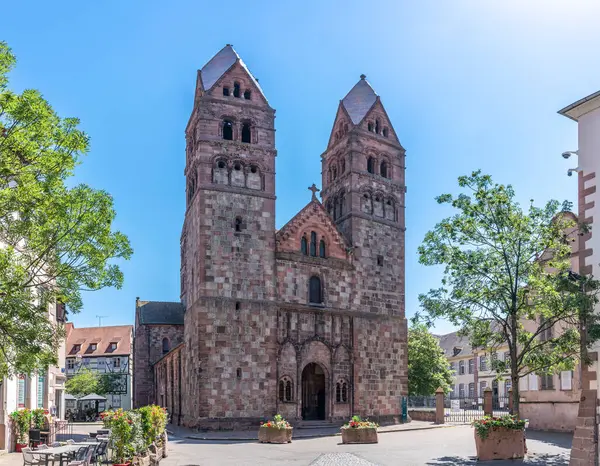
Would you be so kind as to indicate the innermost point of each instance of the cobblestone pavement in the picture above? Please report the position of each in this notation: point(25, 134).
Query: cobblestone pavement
point(453, 446)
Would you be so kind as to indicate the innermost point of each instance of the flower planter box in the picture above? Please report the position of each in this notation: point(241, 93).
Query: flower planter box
point(165, 441)
point(275, 435)
point(501, 444)
point(141, 460)
point(359, 435)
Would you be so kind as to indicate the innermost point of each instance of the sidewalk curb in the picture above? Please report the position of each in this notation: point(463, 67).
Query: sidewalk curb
point(309, 436)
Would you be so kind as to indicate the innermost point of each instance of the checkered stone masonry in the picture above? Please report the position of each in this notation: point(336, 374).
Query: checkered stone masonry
point(248, 319)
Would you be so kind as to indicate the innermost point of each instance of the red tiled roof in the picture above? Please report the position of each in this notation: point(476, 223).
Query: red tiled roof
point(80, 341)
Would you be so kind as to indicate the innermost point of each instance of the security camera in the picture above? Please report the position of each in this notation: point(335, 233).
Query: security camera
point(571, 170)
point(569, 153)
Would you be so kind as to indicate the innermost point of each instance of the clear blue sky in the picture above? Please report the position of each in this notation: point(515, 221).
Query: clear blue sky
point(467, 85)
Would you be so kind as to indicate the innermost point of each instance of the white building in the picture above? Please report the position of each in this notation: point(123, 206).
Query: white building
point(44, 390)
point(105, 350)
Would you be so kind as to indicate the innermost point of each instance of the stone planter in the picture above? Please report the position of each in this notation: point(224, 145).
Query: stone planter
point(501, 444)
point(141, 460)
point(359, 435)
point(165, 442)
point(156, 454)
point(274, 435)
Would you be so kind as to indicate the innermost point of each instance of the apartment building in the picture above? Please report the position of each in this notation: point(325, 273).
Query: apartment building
point(104, 350)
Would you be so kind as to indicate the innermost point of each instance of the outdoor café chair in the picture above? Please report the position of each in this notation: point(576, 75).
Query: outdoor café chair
point(29, 459)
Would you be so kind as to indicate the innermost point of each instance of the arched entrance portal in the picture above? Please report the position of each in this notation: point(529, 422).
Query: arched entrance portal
point(313, 392)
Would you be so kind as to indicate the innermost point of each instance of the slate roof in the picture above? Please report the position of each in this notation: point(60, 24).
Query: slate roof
point(359, 100)
point(455, 345)
point(161, 313)
point(80, 340)
point(218, 65)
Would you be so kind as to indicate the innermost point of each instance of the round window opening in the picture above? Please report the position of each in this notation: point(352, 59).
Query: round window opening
point(253, 169)
point(221, 164)
point(237, 166)
point(366, 196)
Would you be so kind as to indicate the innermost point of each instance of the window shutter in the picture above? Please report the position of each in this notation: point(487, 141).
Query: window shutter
point(523, 386)
point(533, 382)
point(566, 380)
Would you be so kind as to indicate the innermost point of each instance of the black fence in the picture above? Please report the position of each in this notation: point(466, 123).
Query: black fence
point(61, 431)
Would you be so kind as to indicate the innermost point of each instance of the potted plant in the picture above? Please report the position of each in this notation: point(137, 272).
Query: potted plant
point(359, 431)
point(21, 420)
point(277, 430)
point(499, 438)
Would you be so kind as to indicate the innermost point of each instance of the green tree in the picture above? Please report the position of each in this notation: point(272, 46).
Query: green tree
point(506, 279)
point(428, 367)
point(84, 383)
point(56, 238)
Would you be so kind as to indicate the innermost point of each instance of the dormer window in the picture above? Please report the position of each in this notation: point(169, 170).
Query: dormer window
point(76, 348)
point(236, 89)
point(456, 350)
point(248, 94)
point(226, 91)
point(93, 346)
point(113, 346)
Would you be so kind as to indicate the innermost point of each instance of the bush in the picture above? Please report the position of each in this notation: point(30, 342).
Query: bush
point(154, 423)
point(38, 418)
point(278, 422)
point(126, 436)
point(487, 423)
point(357, 423)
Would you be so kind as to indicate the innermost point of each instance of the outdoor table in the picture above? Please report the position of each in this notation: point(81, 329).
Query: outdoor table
point(60, 451)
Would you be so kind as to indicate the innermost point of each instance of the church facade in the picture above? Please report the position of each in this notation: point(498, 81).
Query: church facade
point(306, 321)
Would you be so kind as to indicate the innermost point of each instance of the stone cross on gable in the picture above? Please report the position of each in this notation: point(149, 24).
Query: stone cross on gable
point(314, 190)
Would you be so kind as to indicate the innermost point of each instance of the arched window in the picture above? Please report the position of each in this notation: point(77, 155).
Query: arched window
point(385, 132)
point(377, 126)
point(304, 246)
point(314, 294)
point(370, 126)
point(286, 392)
point(238, 224)
point(322, 248)
point(333, 173)
point(335, 208)
point(383, 169)
point(247, 94)
point(236, 89)
point(313, 244)
point(371, 165)
point(342, 166)
point(227, 130)
point(341, 392)
point(226, 91)
point(166, 347)
point(329, 207)
point(246, 133)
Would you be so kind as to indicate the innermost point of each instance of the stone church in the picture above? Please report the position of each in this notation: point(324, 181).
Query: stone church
point(306, 321)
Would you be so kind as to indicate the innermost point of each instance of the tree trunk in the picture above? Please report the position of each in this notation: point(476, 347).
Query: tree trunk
point(514, 370)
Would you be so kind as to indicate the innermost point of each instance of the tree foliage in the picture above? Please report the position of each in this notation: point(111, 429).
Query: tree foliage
point(428, 367)
point(84, 383)
point(56, 239)
point(506, 279)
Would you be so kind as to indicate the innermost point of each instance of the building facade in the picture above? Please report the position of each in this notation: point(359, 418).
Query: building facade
point(586, 112)
point(106, 351)
point(42, 390)
point(307, 321)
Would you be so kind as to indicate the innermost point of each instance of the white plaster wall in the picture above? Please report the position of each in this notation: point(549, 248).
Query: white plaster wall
point(589, 162)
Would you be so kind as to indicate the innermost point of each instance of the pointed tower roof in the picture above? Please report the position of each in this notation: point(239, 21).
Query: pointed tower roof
point(359, 100)
point(218, 65)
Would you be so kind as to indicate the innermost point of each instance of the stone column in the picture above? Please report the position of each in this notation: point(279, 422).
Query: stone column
point(439, 406)
point(487, 402)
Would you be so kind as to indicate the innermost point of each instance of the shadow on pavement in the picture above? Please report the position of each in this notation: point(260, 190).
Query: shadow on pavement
point(559, 439)
point(532, 460)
